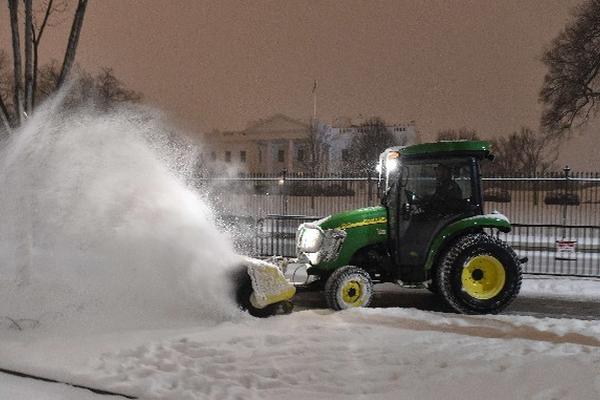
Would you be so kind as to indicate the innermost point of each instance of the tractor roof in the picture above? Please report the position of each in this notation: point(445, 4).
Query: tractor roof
point(446, 148)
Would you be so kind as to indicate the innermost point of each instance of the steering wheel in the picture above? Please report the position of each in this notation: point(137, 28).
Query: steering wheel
point(412, 197)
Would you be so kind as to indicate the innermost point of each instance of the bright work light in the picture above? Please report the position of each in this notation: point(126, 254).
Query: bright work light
point(392, 161)
point(311, 239)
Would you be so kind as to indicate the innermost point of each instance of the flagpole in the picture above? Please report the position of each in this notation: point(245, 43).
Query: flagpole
point(315, 102)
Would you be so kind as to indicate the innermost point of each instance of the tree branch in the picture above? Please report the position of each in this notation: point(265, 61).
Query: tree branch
point(73, 41)
point(4, 117)
point(44, 22)
point(29, 72)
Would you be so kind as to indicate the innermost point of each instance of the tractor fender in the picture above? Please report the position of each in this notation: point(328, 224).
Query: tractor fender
point(494, 220)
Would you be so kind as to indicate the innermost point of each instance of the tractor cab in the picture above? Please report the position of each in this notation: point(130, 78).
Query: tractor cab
point(426, 188)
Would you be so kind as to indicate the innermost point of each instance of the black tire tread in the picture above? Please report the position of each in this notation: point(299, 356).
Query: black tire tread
point(449, 260)
point(332, 285)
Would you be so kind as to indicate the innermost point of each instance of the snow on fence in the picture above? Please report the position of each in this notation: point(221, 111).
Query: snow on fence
point(545, 210)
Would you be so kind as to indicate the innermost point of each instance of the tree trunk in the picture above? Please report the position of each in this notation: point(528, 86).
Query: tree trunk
point(73, 40)
point(13, 6)
point(35, 73)
point(28, 58)
point(4, 118)
point(37, 37)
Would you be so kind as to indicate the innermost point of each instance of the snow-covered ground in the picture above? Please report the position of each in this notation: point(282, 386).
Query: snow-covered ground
point(378, 353)
point(549, 287)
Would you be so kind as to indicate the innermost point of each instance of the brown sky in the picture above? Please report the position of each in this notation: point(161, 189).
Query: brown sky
point(220, 64)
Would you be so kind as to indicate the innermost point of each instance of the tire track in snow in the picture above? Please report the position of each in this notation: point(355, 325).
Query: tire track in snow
point(478, 327)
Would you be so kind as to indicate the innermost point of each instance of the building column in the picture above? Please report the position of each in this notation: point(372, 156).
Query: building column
point(269, 157)
point(290, 158)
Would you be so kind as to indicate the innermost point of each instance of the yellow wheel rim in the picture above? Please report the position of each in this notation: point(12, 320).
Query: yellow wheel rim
point(483, 277)
point(352, 293)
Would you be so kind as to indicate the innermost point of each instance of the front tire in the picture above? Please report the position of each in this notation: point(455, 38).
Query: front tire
point(348, 287)
point(479, 274)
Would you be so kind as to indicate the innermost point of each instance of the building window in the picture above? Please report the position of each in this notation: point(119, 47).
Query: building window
point(345, 155)
point(259, 156)
point(243, 156)
point(227, 156)
point(281, 155)
point(300, 154)
point(213, 156)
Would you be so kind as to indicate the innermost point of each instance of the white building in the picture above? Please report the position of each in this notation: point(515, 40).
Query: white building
point(280, 142)
point(342, 130)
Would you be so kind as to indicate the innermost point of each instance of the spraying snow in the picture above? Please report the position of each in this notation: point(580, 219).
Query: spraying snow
point(99, 230)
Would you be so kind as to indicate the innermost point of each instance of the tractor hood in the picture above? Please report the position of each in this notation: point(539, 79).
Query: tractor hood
point(354, 218)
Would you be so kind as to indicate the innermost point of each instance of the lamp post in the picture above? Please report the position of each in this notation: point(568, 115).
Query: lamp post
point(566, 170)
point(281, 183)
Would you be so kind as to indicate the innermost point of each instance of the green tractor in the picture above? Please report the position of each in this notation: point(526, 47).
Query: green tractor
point(430, 231)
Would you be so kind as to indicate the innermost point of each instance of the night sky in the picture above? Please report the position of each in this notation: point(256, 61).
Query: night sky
point(222, 64)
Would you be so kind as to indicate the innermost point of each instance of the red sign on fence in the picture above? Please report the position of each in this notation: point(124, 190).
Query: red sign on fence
point(566, 250)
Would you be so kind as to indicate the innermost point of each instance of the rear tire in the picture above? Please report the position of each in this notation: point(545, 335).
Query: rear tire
point(479, 274)
point(348, 287)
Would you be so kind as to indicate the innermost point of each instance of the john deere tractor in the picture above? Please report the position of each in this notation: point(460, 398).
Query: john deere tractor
point(430, 231)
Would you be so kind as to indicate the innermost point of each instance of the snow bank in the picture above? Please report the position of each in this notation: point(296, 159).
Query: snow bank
point(99, 229)
point(376, 353)
point(569, 288)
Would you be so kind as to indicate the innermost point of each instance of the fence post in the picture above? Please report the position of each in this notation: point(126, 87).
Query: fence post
point(285, 199)
point(535, 190)
point(566, 170)
point(369, 188)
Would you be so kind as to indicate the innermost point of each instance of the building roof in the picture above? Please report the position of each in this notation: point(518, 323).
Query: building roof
point(476, 148)
point(278, 123)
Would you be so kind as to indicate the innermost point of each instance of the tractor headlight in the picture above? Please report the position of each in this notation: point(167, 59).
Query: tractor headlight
point(391, 165)
point(392, 161)
point(316, 245)
point(310, 239)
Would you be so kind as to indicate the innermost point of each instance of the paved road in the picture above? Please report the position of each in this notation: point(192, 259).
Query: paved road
point(394, 296)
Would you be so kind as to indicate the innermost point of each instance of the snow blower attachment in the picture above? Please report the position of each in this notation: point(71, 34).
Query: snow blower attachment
point(430, 231)
point(261, 288)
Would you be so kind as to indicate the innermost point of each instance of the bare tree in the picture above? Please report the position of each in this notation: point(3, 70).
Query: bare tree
point(111, 91)
point(4, 83)
point(24, 101)
point(104, 89)
point(460, 134)
point(29, 72)
point(69, 58)
point(571, 88)
point(48, 9)
point(13, 7)
point(523, 152)
point(315, 158)
point(371, 139)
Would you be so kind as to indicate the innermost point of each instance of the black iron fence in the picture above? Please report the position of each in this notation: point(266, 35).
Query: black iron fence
point(556, 217)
